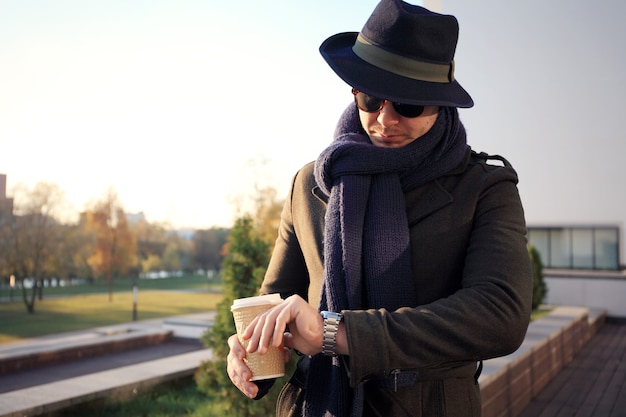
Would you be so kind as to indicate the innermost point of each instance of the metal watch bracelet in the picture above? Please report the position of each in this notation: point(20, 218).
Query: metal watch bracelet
point(331, 328)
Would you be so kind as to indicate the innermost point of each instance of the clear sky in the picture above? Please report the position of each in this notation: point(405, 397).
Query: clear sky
point(183, 106)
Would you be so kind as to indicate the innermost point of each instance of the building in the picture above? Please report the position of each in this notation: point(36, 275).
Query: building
point(6, 204)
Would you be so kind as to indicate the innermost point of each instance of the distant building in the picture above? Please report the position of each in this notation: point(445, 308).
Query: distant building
point(6, 204)
point(580, 247)
point(582, 266)
point(134, 218)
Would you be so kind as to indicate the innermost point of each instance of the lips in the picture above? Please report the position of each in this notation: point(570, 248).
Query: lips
point(388, 135)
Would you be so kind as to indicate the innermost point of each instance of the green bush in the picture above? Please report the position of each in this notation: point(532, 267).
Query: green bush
point(242, 272)
point(540, 290)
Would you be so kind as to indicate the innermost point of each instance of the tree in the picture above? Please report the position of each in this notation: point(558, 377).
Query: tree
point(262, 204)
point(115, 249)
point(242, 272)
point(268, 208)
point(206, 248)
point(540, 290)
point(151, 243)
point(33, 238)
point(177, 253)
point(76, 245)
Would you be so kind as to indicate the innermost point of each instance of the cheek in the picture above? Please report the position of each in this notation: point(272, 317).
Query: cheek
point(423, 125)
point(365, 119)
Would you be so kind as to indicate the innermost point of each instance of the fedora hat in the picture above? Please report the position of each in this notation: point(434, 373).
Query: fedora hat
point(404, 53)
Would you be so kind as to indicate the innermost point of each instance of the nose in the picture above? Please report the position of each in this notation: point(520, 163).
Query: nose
point(387, 115)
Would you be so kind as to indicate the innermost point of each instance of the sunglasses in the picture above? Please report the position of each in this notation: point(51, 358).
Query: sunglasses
point(372, 104)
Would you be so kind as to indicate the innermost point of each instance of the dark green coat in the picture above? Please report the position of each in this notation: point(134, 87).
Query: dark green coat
point(472, 277)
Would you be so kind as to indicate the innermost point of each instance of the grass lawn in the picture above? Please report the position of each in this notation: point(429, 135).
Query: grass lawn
point(56, 314)
point(174, 399)
point(85, 306)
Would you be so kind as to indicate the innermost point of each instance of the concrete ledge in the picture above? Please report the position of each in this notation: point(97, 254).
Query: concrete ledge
point(48, 398)
point(187, 327)
point(509, 383)
point(20, 357)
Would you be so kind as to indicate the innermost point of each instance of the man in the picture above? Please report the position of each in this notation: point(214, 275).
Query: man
point(401, 253)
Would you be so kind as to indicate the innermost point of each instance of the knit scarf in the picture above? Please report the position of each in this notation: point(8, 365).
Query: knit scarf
point(367, 262)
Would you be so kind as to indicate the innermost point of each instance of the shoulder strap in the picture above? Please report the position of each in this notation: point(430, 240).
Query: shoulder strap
point(486, 157)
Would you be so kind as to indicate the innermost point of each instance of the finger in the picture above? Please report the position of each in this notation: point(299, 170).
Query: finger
point(248, 388)
point(249, 330)
point(280, 325)
point(267, 324)
point(238, 371)
point(236, 367)
point(235, 346)
point(252, 334)
point(286, 350)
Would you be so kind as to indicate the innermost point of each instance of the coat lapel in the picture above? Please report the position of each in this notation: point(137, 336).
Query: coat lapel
point(425, 200)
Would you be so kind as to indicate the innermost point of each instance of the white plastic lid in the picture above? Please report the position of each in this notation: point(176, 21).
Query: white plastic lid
point(256, 301)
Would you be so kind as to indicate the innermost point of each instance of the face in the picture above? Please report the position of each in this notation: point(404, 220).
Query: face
point(388, 129)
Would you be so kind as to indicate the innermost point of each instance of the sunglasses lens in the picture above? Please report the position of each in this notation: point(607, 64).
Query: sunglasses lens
point(368, 103)
point(408, 110)
point(373, 104)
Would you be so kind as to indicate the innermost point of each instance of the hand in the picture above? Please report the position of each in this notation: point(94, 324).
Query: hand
point(238, 371)
point(305, 328)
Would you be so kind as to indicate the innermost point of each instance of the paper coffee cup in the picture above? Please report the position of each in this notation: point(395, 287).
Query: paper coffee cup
point(271, 364)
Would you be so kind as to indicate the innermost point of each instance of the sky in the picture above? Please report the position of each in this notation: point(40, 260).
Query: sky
point(184, 108)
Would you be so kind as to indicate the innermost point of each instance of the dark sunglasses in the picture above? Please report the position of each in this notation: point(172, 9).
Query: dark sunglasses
point(371, 104)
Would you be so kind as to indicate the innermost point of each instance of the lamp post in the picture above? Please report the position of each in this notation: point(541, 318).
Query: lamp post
point(11, 286)
point(135, 293)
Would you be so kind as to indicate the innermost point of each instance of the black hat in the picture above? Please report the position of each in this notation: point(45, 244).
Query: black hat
point(404, 53)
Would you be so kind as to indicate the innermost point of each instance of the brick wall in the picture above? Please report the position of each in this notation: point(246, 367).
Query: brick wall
point(508, 384)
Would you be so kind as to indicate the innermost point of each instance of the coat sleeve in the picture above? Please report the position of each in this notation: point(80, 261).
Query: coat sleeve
point(486, 316)
point(297, 254)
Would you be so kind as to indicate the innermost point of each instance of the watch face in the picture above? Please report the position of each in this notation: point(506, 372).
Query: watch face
point(332, 315)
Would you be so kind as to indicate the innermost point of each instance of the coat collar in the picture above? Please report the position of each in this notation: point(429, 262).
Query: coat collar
point(420, 203)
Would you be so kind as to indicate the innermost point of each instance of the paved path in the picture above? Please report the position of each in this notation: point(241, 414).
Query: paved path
point(592, 385)
point(54, 373)
point(49, 388)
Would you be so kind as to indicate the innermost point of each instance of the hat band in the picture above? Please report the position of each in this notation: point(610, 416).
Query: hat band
point(399, 65)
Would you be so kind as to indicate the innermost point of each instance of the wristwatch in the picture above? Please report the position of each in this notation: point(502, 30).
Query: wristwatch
point(331, 327)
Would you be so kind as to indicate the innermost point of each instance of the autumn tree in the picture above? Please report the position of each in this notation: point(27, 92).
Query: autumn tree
point(151, 243)
point(268, 208)
point(32, 238)
point(177, 253)
point(6, 233)
point(114, 251)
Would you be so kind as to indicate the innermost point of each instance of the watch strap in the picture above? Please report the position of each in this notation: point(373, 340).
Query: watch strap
point(329, 335)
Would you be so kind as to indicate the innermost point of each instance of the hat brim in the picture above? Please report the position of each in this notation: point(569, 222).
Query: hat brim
point(337, 51)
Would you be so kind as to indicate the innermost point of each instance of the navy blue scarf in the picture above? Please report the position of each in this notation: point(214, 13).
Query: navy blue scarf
point(366, 247)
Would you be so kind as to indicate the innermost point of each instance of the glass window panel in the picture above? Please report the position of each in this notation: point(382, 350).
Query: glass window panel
point(560, 248)
point(577, 247)
point(606, 253)
point(582, 248)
